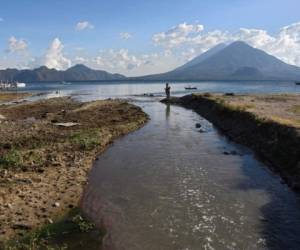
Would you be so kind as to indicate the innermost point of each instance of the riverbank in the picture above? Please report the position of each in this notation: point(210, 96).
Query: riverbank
point(268, 124)
point(46, 151)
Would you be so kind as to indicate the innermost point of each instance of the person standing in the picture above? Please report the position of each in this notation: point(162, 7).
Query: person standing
point(168, 90)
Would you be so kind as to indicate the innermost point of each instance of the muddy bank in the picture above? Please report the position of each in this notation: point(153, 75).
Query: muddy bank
point(46, 150)
point(268, 124)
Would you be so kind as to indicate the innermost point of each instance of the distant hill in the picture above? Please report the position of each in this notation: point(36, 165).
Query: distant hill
point(78, 72)
point(237, 61)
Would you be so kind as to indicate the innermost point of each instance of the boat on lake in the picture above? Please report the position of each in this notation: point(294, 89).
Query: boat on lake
point(190, 87)
point(297, 83)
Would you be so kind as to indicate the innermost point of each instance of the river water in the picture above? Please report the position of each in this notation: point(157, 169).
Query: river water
point(169, 186)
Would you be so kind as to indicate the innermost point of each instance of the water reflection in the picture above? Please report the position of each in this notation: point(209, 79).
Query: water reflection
point(167, 186)
point(168, 108)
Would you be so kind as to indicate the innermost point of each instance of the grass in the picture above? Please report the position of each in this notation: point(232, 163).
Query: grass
point(287, 122)
point(16, 158)
point(11, 159)
point(234, 107)
point(245, 107)
point(295, 109)
point(86, 139)
point(73, 231)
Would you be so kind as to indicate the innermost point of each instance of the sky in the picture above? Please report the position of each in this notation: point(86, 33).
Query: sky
point(136, 37)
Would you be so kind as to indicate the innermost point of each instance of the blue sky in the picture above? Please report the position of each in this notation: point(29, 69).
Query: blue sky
point(119, 36)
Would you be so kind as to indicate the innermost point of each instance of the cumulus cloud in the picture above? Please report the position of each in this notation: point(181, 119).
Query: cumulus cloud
point(177, 35)
point(124, 62)
point(16, 45)
point(83, 25)
point(118, 59)
point(191, 40)
point(54, 57)
point(174, 47)
point(125, 35)
point(80, 59)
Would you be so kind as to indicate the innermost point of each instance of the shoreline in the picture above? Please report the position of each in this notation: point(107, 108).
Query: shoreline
point(250, 120)
point(13, 96)
point(47, 148)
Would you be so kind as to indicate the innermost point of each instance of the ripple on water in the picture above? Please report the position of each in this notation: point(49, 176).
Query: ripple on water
point(167, 186)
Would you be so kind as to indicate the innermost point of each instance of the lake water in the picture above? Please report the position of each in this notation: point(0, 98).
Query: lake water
point(124, 89)
point(167, 186)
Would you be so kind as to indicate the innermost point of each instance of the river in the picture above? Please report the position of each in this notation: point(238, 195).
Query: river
point(169, 186)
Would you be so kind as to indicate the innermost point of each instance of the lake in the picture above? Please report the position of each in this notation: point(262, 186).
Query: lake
point(101, 90)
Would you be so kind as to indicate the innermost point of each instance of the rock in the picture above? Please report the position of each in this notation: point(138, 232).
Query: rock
point(7, 146)
point(50, 221)
point(66, 124)
point(44, 115)
point(226, 153)
point(198, 125)
point(22, 226)
point(229, 94)
point(56, 204)
point(8, 205)
point(202, 131)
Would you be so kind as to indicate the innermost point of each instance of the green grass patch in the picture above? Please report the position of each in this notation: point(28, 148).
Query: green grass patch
point(13, 158)
point(73, 231)
point(34, 156)
point(86, 139)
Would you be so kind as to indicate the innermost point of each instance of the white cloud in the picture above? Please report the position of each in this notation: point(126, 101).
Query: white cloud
point(16, 45)
point(83, 25)
point(177, 35)
point(190, 40)
point(173, 47)
point(285, 45)
point(124, 62)
point(54, 57)
point(125, 35)
point(80, 59)
point(118, 59)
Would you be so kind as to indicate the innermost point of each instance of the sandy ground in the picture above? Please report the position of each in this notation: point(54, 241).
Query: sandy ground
point(282, 108)
point(43, 165)
point(12, 96)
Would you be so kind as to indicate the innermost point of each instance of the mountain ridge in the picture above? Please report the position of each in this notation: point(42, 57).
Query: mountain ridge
point(236, 61)
point(78, 72)
point(233, 62)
